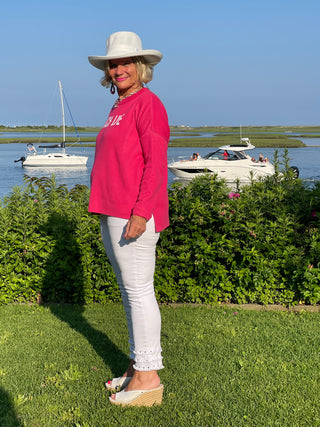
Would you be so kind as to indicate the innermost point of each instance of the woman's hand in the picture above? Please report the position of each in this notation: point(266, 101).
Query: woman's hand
point(135, 227)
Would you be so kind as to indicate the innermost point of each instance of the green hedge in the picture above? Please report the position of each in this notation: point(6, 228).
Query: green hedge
point(50, 247)
point(259, 245)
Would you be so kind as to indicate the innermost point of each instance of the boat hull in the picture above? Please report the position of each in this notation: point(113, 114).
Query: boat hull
point(240, 170)
point(54, 160)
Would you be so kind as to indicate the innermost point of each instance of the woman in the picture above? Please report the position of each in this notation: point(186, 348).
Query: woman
point(129, 191)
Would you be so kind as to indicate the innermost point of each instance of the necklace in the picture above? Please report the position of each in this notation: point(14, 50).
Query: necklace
point(115, 105)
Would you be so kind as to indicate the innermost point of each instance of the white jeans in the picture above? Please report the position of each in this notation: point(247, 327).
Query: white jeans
point(133, 262)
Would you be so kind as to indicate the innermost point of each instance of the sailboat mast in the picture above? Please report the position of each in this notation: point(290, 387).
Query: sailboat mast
point(63, 118)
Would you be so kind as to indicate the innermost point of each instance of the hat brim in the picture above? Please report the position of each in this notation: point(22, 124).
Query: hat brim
point(153, 57)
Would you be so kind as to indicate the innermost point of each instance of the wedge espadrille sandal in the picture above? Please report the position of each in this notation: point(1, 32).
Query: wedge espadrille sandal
point(138, 397)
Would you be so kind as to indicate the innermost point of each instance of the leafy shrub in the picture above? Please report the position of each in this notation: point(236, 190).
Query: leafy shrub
point(51, 248)
point(260, 244)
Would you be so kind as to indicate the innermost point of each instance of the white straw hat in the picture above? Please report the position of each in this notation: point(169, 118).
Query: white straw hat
point(125, 44)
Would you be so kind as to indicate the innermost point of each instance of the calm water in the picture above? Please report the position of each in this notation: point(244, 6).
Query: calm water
point(11, 174)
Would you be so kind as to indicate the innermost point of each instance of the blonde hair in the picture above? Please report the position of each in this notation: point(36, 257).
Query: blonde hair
point(144, 70)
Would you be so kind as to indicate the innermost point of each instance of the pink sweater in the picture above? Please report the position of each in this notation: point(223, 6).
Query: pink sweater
point(129, 174)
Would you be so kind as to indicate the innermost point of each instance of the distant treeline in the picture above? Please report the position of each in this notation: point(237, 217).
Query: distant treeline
point(246, 129)
point(175, 129)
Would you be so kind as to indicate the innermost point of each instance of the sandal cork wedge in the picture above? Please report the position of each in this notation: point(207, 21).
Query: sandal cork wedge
point(138, 397)
point(118, 384)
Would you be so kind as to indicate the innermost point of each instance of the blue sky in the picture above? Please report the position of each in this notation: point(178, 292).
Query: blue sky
point(226, 62)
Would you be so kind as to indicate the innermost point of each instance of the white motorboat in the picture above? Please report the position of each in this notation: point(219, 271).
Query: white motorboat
point(230, 162)
point(55, 158)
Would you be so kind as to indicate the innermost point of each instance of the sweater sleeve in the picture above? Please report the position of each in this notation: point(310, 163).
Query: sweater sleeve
point(154, 132)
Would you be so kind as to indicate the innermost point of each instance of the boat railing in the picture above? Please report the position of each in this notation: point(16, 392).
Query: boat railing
point(31, 150)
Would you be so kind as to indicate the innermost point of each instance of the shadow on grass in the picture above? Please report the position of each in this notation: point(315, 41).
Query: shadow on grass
point(64, 281)
point(8, 417)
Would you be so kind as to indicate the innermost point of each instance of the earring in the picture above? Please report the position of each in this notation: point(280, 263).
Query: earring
point(112, 89)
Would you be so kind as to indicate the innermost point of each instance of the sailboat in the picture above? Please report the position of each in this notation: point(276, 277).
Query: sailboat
point(54, 158)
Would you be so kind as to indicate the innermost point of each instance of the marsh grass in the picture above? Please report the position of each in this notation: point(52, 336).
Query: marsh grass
point(223, 366)
point(259, 140)
point(69, 140)
point(262, 136)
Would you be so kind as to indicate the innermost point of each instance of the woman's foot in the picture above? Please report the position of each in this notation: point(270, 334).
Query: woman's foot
point(117, 384)
point(144, 381)
point(130, 370)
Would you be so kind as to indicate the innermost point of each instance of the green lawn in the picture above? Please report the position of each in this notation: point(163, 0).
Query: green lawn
point(223, 367)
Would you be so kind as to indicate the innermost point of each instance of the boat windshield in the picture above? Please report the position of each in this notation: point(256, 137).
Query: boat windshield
point(225, 155)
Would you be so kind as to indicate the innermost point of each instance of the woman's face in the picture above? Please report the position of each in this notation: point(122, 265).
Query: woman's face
point(124, 75)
